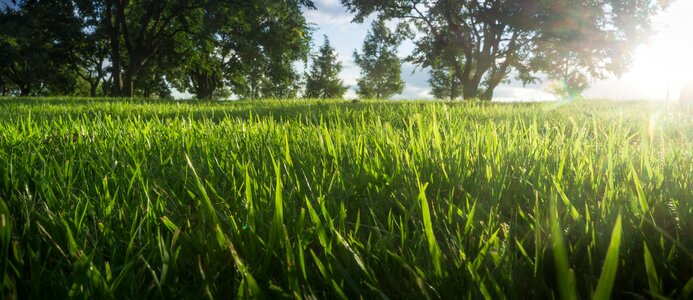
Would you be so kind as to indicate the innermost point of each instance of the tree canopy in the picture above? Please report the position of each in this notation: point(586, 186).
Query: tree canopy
point(126, 48)
point(484, 42)
point(323, 80)
point(36, 61)
point(443, 82)
point(379, 63)
point(250, 49)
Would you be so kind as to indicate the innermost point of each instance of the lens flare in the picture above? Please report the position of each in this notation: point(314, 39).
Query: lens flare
point(653, 125)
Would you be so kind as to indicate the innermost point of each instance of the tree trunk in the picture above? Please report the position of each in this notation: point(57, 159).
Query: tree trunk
point(25, 90)
point(93, 86)
point(203, 93)
point(105, 87)
point(146, 92)
point(135, 64)
point(116, 74)
point(470, 90)
point(453, 87)
point(204, 84)
point(128, 80)
point(130, 75)
point(493, 83)
point(497, 75)
point(488, 94)
point(114, 36)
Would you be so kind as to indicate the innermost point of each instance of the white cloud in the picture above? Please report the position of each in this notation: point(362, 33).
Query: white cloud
point(328, 12)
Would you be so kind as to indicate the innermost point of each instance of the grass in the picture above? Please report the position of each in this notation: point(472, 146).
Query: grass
point(307, 199)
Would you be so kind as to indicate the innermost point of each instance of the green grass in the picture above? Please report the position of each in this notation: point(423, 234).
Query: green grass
point(307, 199)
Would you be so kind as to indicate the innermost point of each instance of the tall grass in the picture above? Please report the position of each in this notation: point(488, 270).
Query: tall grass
point(306, 199)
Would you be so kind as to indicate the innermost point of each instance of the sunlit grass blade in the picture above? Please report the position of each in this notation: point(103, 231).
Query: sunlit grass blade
point(610, 267)
point(652, 277)
point(5, 240)
point(565, 275)
point(211, 212)
point(433, 247)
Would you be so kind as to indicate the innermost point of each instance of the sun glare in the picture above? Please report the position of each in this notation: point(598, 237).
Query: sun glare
point(665, 64)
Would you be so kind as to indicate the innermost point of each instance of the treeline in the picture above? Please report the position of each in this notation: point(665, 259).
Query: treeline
point(124, 48)
point(250, 49)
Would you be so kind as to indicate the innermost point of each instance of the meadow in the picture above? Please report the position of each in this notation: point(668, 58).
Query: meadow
point(334, 199)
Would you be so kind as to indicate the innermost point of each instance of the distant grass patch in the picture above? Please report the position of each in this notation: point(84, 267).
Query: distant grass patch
point(333, 199)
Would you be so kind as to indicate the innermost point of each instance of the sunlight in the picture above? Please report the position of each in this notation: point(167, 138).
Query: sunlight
point(653, 125)
point(665, 64)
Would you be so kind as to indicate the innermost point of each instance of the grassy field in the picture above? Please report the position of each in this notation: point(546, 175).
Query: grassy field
point(307, 199)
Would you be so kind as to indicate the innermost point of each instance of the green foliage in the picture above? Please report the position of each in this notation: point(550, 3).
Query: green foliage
point(580, 41)
point(247, 47)
point(565, 274)
point(608, 275)
point(380, 67)
point(5, 244)
point(92, 48)
point(486, 41)
point(569, 86)
point(443, 82)
point(127, 48)
point(323, 80)
point(332, 199)
point(36, 42)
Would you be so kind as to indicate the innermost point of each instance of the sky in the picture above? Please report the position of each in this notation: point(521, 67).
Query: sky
point(659, 70)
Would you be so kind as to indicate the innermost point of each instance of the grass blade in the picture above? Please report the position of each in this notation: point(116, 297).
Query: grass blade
point(608, 276)
point(652, 278)
point(433, 247)
point(566, 275)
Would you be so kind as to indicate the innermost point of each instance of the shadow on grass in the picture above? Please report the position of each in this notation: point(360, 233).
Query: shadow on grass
point(308, 111)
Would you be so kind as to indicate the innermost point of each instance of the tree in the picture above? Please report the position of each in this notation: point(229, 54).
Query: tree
point(4, 86)
point(92, 48)
point(581, 41)
point(280, 38)
point(486, 41)
point(380, 66)
point(152, 81)
point(141, 47)
point(137, 31)
point(323, 80)
point(36, 38)
point(249, 47)
point(444, 84)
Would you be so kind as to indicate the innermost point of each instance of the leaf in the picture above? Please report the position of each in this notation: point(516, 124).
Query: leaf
point(207, 202)
point(608, 276)
point(651, 270)
point(72, 247)
point(687, 289)
point(167, 222)
point(5, 235)
point(433, 247)
point(566, 276)
point(642, 201)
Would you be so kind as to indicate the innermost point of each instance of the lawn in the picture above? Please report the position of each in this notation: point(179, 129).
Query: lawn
point(334, 199)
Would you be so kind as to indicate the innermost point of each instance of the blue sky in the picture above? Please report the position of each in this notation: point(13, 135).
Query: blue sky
point(331, 19)
point(660, 67)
